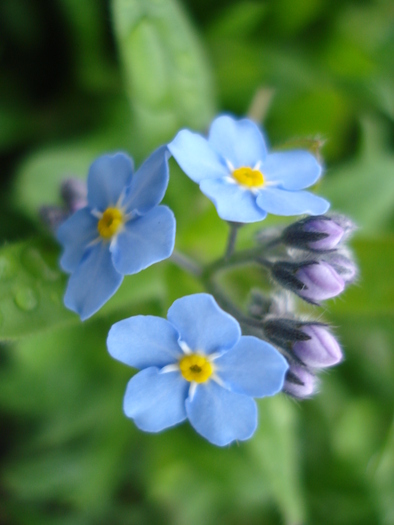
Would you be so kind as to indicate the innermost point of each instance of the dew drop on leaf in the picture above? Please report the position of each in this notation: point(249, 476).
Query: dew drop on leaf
point(26, 299)
point(7, 267)
point(34, 263)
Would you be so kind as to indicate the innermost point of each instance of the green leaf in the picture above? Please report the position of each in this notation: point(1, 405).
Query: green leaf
point(65, 381)
point(274, 450)
point(364, 188)
point(32, 289)
point(240, 19)
point(357, 432)
point(166, 75)
point(87, 33)
point(383, 479)
point(373, 293)
point(204, 483)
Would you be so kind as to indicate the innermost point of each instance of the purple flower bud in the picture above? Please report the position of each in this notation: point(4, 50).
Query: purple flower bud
point(53, 216)
point(314, 281)
point(300, 382)
point(318, 233)
point(320, 350)
point(320, 281)
point(332, 231)
point(284, 332)
point(259, 304)
point(345, 223)
point(344, 266)
point(74, 194)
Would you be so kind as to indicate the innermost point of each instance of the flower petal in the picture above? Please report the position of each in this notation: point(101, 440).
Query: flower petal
point(154, 400)
point(196, 157)
point(144, 340)
point(238, 141)
point(74, 235)
point(202, 324)
point(293, 170)
point(253, 367)
point(93, 282)
point(221, 416)
point(149, 183)
point(233, 203)
point(108, 177)
point(144, 241)
point(282, 202)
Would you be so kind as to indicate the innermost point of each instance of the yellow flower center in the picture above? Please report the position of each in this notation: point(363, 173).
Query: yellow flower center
point(110, 222)
point(196, 368)
point(248, 177)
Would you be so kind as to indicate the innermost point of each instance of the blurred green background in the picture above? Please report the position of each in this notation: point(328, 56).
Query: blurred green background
point(83, 77)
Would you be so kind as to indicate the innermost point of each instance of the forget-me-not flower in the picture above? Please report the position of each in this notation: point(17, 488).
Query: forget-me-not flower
point(195, 366)
point(245, 182)
point(121, 231)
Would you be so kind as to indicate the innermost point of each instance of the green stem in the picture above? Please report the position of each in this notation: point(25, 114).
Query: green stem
point(208, 273)
point(252, 255)
point(232, 238)
point(186, 263)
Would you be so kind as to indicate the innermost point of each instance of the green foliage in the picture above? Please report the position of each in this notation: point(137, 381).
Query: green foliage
point(373, 293)
point(382, 479)
point(166, 77)
point(274, 449)
point(364, 187)
point(32, 288)
point(83, 78)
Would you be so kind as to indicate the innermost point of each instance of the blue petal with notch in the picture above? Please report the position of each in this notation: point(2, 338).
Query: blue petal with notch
point(283, 202)
point(203, 325)
point(221, 416)
point(144, 340)
point(107, 179)
point(74, 235)
point(155, 400)
point(253, 367)
point(233, 202)
point(238, 141)
point(93, 282)
point(149, 183)
point(292, 170)
point(144, 241)
point(196, 157)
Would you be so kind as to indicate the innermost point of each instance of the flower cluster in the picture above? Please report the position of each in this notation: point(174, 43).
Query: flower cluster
point(326, 267)
point(196, 364)
point(318, 266)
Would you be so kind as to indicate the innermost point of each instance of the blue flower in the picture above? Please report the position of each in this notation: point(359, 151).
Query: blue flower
point(245, 182)
point(195, 366)
point(121, 231)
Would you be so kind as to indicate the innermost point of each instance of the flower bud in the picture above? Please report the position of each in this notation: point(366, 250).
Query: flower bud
point(313, 281)
point(74, 194)
point(300, 382)
point(53, 216)
point(320, 282)
point(284, 332)
point(259, 304)
point(318, 233)
point(311, 344)
point(343, 265)
point(320, 349)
